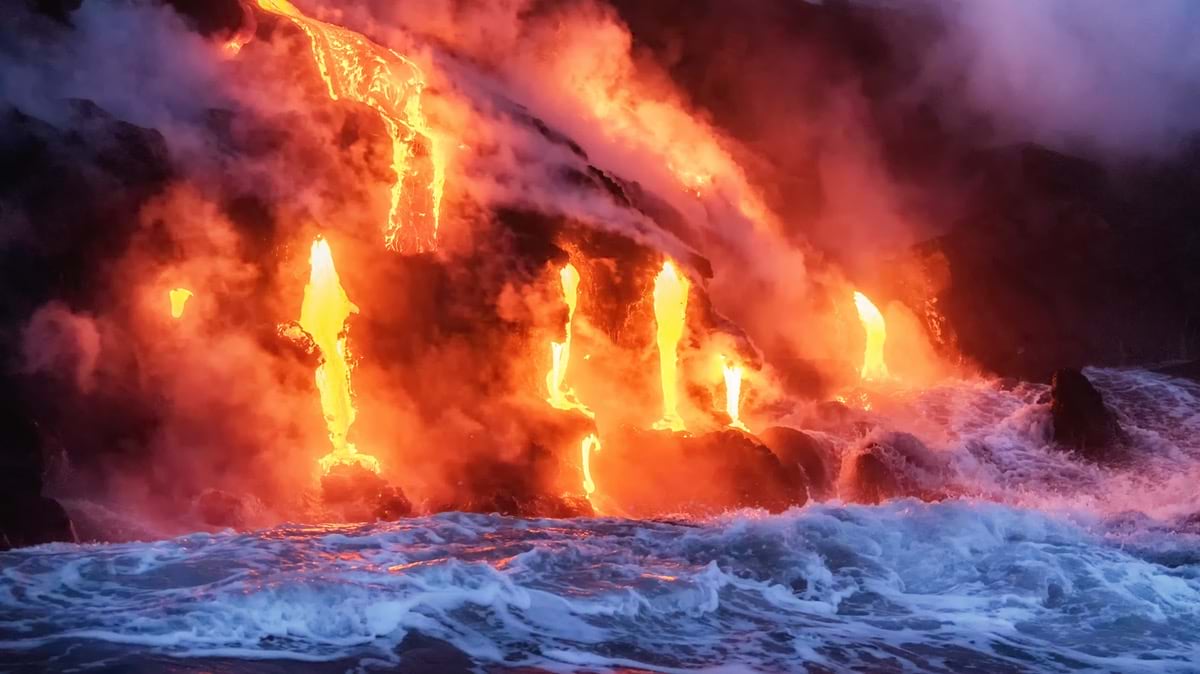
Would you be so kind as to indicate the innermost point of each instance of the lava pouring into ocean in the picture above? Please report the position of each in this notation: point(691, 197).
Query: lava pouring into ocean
point(323, 316)
point(670, 315)
point(576, 278)
point(874, 368)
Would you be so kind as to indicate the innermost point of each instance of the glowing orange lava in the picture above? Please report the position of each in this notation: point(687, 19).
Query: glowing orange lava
point(323, 316)
point(670, 312)
point(590, 444)
point(356, 68)
point(179, 298)
point(733, 394)
point(873, 367)
point(558, 396)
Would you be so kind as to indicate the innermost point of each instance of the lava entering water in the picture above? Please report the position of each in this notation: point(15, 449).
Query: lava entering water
point(560, 352)
point(356, 68)
point(873, 367)
point(590, 444)
point(323, 316)
point(733, 394)
point(670, 310)
point(179, 298)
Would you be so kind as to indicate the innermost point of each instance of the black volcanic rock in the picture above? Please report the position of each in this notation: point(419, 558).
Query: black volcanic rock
point(653, 472)
point(801, 449)
point(869, 480)
point(891, 465)
point(1081, 419)
point(359, 495)
point(33, 521)
point(26, 517)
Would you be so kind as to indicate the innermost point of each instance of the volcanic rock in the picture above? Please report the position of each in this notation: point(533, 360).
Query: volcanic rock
point(799, 448)
point(655, 472)
point(891, 465)
point(1081, 419)
point(33, 520)
point(26, 517)
point(360, 495)
point(218, 508)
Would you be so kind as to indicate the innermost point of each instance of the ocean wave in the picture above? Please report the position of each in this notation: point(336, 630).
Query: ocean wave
point(907, 585)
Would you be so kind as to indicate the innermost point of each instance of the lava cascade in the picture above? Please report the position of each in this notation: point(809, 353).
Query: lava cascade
point(559, 395)
point(733, 394)
point(358, 69)
point(323, 316)
point(670, 313)
point(178, 298)
point(873, 367)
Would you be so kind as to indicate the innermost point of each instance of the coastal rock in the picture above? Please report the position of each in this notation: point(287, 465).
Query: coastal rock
point(799, 448)
point(1081, 419)
point(891, 465)
point(655, 472)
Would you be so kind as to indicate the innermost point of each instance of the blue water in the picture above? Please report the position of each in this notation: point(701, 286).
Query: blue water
point(1076, 571)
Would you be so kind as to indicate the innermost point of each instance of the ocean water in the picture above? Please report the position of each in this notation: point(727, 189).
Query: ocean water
point(1038, 563)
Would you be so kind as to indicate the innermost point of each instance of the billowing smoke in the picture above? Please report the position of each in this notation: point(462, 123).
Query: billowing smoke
point(609, 135)
point(1100, 76)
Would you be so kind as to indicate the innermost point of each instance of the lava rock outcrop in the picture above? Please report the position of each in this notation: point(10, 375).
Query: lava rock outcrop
point(1081, 419)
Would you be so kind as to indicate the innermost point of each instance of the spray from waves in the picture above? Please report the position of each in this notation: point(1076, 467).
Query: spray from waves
point(992, 440)
point(929, 586)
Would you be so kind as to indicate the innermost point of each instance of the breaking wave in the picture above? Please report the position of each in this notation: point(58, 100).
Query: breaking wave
point(1041, 563)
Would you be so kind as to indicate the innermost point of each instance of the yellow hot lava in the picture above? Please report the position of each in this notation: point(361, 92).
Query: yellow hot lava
point(670, 311)
point(323, 316)
point(356, 68)
point(179, 298)
point(590, 444)
point(733, 394)
point(560, 352)
point(873, 367)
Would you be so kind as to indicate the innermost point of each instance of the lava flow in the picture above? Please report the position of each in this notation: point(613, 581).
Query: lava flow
point(590, 444)
point(733, 394)
point(179, 298)
point(356, 68)
point(323, 316)
point(670, 311)
point(558, 395)
point(873, 368)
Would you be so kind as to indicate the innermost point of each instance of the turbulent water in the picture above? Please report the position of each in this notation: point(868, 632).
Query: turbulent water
point(1041, 563)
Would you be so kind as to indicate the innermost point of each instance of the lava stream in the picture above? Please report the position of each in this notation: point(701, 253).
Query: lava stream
point(179, 298)
point(356, 68)
point(733, 394)
point(560, 352)
point(323, 316)
point(670, 311)
point(873, 368)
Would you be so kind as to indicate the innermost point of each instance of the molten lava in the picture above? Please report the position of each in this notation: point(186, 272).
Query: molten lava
point(323, 316)
point(670, 311)
point(873, 367)
point(353, 67)
point(560, 352)
point(590, 444)
point(733, 394)
point(179, 298)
